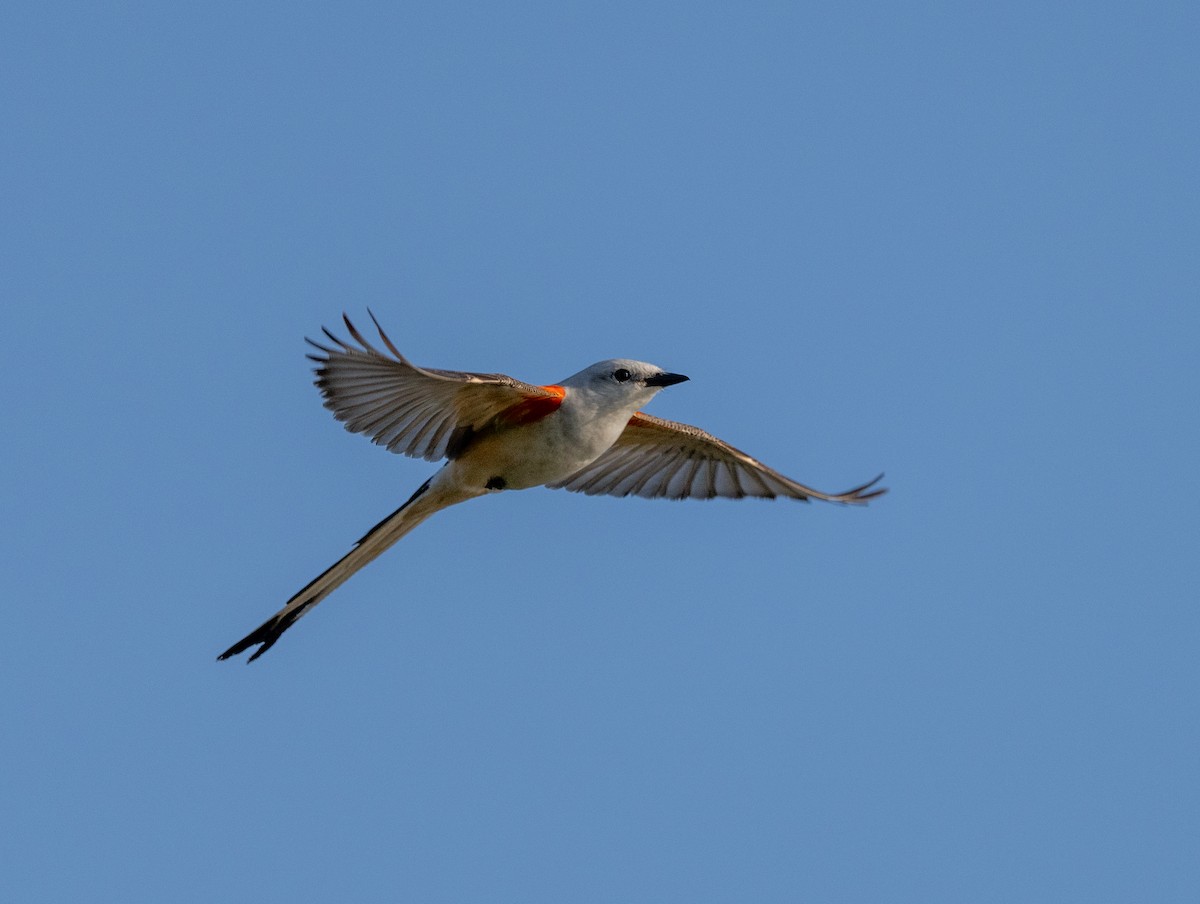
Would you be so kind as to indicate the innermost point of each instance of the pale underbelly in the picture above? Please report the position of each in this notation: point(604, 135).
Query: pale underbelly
point(526, 457)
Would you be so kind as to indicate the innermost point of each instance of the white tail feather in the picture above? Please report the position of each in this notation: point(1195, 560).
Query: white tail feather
point(424, 502)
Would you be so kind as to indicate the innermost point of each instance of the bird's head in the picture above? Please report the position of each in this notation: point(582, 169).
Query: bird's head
point(622, 381)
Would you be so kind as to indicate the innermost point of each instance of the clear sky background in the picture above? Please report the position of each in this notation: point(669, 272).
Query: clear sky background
point(952, 242)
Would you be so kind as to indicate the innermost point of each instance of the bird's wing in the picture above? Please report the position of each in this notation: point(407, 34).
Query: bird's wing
point(418, 411)
point(659, 459)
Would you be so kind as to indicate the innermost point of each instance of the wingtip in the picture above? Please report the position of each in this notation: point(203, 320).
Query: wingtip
point(358, 337)
point(859, 496)
point(324, 349)
point(384, 336)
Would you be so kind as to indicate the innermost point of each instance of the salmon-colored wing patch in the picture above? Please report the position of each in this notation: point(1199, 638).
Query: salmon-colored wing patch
point(532, 409)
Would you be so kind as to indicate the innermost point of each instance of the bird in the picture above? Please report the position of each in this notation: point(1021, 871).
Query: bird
point(585, 434)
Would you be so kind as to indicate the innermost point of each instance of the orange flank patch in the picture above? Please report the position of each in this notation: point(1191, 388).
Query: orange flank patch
point(532, 409)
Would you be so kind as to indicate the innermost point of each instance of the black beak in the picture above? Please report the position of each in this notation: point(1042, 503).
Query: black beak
point(665, 379)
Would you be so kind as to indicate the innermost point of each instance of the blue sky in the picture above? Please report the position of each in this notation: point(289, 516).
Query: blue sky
point(955, 243)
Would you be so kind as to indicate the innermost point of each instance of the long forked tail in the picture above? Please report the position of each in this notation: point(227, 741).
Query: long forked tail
point(376, 540)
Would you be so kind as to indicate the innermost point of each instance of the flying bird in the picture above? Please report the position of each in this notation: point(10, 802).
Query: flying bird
point(585, 434)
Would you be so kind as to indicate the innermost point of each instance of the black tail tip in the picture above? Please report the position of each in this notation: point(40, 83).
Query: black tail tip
point(266, 634)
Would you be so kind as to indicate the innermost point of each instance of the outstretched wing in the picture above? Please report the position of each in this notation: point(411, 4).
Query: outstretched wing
point(659, 459)
point(418, 411)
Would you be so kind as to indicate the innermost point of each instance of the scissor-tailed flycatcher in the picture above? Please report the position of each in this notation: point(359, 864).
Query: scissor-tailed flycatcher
point(584, 434)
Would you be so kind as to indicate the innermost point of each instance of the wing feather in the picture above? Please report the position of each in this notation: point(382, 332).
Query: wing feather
point(656, 458)
point(408, 409)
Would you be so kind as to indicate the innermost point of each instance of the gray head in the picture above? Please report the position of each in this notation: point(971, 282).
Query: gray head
point(622, 378)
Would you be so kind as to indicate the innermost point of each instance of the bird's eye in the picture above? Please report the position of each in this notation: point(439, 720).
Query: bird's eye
point(621, 375)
